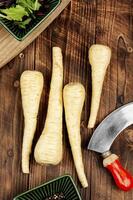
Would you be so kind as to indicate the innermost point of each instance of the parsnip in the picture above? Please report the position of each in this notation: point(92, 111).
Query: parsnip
point(48, 149)
point(31, 83)
point(74, 96)
point(99, 56)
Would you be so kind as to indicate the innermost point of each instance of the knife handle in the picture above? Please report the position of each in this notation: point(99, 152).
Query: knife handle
point(123, 179)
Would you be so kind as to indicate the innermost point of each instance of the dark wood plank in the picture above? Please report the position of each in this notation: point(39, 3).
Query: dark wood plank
point(114, 28)
point(81, 34)
point(81, 24)
point(12, 180)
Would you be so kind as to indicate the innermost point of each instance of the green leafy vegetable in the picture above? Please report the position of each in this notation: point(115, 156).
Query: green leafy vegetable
point(30, 5)
point(14, 13)
point(23, 23)
point(22, 13)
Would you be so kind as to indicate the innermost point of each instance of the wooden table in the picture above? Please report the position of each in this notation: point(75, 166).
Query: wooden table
point(82, 23)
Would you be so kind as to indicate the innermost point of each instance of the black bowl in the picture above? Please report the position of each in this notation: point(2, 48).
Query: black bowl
point(63, 185)
point(20, 34)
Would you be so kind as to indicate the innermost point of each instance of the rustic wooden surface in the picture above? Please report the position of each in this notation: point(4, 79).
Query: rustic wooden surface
point(81, 24)
point(10, 47)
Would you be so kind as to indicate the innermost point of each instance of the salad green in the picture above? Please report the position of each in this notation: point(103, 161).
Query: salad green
point(29, 5)
point(23, 23)
point(14, 13)
point(21, 12)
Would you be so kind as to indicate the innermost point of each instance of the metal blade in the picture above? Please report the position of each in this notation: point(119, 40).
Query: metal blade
point(110, 128)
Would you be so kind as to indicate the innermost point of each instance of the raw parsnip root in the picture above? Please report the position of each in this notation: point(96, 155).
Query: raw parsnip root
point(99, 57)
point(74, 96)
point(48, 149)
point(31, 83)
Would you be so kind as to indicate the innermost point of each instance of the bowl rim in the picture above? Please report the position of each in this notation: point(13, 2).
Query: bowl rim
point(29, 32)
point(44, 184)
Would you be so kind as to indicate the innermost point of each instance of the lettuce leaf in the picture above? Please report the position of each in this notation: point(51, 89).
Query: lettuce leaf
point(14, 13)
point(30, 5)
point(24, 23)
point(22, 13)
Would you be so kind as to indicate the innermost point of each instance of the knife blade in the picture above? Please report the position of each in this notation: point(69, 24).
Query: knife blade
point(104, 136)
point(110, 128)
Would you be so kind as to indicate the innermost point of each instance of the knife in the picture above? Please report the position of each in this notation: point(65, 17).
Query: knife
point(104, 136)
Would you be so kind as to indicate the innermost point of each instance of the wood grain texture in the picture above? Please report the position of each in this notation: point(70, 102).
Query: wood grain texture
point(80, 25)
point(10, 47)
